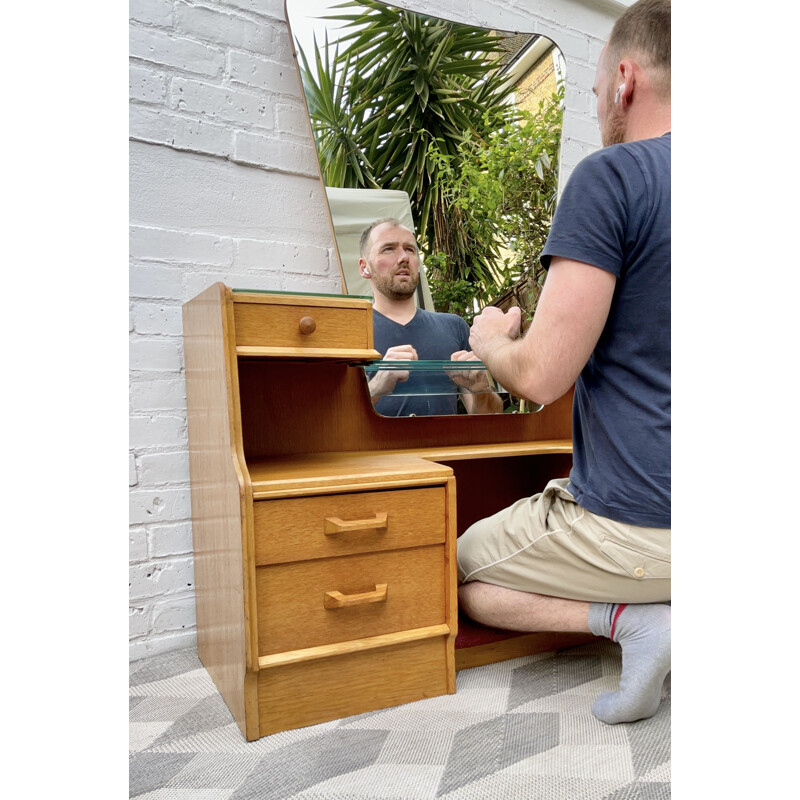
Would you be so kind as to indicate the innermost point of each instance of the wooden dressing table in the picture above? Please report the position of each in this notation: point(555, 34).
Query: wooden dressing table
point(325, 534)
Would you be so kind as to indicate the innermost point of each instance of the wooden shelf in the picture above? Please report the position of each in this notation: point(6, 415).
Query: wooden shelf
point(292, 476)
point(471, 451)
point(308, 353)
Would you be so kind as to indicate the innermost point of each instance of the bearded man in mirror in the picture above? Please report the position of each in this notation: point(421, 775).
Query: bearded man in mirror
point(591, 553)
point(389, 260)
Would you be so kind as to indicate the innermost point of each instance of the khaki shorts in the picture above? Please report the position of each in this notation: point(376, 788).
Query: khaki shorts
point(548, 544)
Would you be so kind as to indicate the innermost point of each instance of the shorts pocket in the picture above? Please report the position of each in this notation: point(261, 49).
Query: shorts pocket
point(639, 564)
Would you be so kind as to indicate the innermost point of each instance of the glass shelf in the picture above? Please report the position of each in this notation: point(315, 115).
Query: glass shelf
point(427, 366)
point(432, 388)
point(416, 378)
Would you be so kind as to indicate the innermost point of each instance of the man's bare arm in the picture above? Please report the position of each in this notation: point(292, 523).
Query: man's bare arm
point(569, 319)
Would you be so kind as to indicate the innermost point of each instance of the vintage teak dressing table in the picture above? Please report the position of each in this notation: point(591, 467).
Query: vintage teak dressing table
point(325, 534)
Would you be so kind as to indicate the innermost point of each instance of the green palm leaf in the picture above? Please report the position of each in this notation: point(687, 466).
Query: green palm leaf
point(404, 101)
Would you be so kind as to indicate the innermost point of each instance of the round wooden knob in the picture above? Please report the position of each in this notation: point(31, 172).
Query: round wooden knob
point(307, 325)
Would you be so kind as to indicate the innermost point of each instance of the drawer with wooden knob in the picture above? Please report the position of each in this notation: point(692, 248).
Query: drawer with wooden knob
point(273, 321)
point(312, 603)
point(294, 529)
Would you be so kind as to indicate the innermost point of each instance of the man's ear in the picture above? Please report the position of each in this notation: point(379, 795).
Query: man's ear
point(626, 80)
point(362, 268)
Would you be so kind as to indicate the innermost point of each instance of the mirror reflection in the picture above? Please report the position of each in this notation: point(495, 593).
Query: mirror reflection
point(433, 388)
point(420, 339)
point(451, 133)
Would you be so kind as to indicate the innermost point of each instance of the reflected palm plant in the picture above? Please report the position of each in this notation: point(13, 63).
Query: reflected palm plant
point(335, 123)
point(403, 101)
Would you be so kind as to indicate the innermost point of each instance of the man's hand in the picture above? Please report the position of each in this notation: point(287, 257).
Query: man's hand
point(474, 380)
point(570, 316)
point(492, 327)
point(385, 380)
point(478, 399)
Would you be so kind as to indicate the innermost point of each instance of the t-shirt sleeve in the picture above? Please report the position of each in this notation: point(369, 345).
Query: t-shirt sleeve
point(592, 216)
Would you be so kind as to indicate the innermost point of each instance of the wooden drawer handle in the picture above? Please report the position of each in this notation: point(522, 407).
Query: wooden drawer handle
point(308, 325)
point(339, 600)
point(334, 525)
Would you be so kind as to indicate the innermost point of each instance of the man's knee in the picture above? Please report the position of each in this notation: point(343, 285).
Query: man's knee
point(469, 598)
point(484, 602)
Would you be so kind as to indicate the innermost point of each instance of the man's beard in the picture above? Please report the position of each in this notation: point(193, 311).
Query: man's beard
point(390, 287)
point(614, 128)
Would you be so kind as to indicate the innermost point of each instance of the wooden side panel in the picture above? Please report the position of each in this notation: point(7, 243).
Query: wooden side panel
point(218, 491)
point(451, 583)
point(317, 691)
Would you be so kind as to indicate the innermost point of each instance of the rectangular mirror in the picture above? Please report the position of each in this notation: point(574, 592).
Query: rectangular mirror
point(452, 129)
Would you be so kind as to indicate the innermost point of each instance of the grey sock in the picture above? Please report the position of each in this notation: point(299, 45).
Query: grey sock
point(644, 633)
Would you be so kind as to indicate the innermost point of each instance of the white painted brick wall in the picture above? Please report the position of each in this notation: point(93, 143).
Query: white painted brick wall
point(224, 187)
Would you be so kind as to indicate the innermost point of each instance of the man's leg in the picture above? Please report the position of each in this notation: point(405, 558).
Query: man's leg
point(512, 610)
point(642, 630)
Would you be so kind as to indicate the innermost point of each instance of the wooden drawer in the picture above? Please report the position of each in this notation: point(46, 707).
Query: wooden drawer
point(300, 528)
point(276, 323)
point(292, 598)
point(329, 688)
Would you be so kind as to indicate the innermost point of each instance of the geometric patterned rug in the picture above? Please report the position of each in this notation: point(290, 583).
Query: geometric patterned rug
point(518, 730)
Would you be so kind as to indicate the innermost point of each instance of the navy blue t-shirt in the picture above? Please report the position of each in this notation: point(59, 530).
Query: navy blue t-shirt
point(435, 336)
point(615, 214)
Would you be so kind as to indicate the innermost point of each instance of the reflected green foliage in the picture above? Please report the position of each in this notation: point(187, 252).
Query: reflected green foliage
point(405, 101)
point(500, 195)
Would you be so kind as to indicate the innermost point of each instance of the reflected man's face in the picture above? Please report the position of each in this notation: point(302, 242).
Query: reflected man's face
point(393, 261)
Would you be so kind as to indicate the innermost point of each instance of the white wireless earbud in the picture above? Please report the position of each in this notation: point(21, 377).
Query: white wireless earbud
point(619, 92)
point(366, 273)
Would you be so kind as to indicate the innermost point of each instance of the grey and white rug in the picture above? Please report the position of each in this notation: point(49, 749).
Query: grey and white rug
point(518, 730)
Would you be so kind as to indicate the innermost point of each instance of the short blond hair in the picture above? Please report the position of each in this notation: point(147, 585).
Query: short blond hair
point(363, 242)
point(643, 31)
